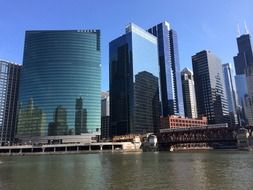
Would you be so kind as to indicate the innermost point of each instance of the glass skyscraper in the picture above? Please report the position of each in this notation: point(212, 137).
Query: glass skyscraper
point(249, 97)
point(134, 83)
point(209, 87)
point(170, 77)
point(243, 61)
point(244, 57)
point(60, 83)
point(9, 84)
point(231, 93)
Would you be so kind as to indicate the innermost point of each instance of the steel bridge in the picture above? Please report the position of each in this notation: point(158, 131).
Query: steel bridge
point(219, 135)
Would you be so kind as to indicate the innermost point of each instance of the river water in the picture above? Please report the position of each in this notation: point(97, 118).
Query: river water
point(149, 170)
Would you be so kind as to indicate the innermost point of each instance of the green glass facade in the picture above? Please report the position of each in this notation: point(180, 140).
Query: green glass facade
point(60, 83)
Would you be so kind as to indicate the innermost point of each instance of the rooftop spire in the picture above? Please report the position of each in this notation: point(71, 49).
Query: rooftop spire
point(246, 28)
point(238, 30)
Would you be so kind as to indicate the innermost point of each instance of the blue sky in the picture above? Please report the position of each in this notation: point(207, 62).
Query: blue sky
point(200, 24)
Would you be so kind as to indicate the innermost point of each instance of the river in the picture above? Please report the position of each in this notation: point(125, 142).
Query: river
point(149, 170)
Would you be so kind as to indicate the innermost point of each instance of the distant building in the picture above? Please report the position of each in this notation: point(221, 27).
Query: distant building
point(231, 93)
point(243, 61)
point(244, 58)
point(105, 124)
point(105, 104)
point(60, 84)
point(174, 121)
point(105, 115)
point(9, 85)
point(249, 97)
point(170, 79)
point(133, 60)
point(209, 88)
point(242, 92)
point(190, 104)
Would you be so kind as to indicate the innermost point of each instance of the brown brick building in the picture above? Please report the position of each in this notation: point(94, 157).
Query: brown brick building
point(174, 121)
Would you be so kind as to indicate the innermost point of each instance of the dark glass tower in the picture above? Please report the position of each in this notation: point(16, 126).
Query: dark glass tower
point(170, 77)
point(243, 62)
point(60, 83)
point(244, 57)
point(134, 73)
point(146, 95)
point(209, 87)
point(9, 83)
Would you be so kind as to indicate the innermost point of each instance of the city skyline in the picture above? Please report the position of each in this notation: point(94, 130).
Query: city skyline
point(196, 29)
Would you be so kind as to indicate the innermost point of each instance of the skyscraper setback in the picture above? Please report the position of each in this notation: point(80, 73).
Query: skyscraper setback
point(244, 58)
point(170, 77)
point(209, 87)
point(243, 62)
point(134, 73)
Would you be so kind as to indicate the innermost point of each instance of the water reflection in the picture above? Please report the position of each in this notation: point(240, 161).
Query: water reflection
point(209, 170)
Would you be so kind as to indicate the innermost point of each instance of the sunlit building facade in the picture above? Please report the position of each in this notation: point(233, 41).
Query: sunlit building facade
point(60, 83)
point(134, 83)
point(209, 87)
point(188, 87)
point(170, 77)
point(231, 93)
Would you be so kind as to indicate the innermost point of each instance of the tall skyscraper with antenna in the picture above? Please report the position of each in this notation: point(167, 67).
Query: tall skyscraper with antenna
point(244, 57)
point(243, 61)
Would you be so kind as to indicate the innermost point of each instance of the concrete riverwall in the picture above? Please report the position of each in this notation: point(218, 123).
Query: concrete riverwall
point(68, 148)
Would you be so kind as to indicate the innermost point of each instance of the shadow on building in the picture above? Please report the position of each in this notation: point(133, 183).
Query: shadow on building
point(147, 117)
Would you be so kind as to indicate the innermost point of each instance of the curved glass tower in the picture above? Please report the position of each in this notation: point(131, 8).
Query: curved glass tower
point(60, 83)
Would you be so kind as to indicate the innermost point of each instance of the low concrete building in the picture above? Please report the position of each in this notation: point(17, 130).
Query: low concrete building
point(65, 139)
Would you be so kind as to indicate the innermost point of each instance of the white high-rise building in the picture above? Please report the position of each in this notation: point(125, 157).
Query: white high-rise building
point(231, 92)
point(190, 104)
point(105, 104)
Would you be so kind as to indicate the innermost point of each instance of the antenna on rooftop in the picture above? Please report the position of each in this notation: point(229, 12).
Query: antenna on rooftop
point(238, 30)
point(246, 28)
